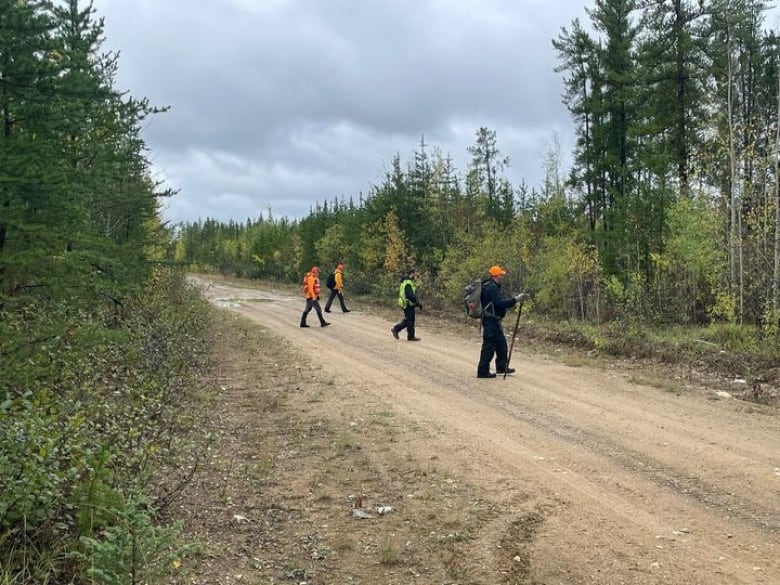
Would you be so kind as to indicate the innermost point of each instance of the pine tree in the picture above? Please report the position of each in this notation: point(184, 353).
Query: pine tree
point(579, 58)
point(486, 178)
point(27, 179)
point(673, 70)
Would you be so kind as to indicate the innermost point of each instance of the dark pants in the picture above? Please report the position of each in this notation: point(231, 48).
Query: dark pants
point(493, 343)
point(407, 323)
point(312, 304)
point(332, 296)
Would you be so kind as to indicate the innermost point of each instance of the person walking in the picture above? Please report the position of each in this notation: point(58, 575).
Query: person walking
point(407, 300)
point(494, 306)
point(337, 290)
point(311, 290)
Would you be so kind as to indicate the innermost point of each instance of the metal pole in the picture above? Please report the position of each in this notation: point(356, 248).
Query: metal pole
point(512, 344)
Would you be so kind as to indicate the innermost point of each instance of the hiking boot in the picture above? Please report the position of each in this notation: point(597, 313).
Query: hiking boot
point(507, 371)
point(488, 375)
point(394, 332)
point(414, 339)
point(324, 324)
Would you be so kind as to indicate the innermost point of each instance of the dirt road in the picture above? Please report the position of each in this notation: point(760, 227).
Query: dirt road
point(602, 479)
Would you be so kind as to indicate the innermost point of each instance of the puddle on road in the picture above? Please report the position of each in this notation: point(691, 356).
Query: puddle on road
point(228, 296)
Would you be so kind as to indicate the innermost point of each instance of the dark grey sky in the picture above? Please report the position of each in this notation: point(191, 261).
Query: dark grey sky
point(282, 103)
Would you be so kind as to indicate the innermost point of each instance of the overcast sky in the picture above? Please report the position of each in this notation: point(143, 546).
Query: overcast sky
point(282, 103)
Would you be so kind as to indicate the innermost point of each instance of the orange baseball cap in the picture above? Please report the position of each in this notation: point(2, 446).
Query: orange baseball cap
point(496, 271)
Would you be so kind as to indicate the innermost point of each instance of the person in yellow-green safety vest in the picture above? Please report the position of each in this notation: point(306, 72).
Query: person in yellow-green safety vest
point(407, 300)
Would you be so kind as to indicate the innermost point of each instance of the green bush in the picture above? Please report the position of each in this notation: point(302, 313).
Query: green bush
point(131, 549)
point(96, 415)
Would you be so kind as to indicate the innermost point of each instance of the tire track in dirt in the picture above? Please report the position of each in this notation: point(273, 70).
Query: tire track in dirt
point(625, 466)
point(660, 470)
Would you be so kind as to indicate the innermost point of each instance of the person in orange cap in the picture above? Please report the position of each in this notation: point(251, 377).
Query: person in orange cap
point(494, 306)
point(337, 288)
point(311, 290)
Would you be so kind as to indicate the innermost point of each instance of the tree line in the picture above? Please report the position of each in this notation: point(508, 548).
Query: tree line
point(669, 212)
point(100, 345)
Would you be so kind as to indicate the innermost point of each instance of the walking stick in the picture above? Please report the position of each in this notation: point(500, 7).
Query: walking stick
point(512, 344)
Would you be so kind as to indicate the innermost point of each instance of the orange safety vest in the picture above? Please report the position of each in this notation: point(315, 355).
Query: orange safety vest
point(304, 284)
point(311, 286)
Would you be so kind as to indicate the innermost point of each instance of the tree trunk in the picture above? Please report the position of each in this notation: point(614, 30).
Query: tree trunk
point(734, 219)
point(776, 272)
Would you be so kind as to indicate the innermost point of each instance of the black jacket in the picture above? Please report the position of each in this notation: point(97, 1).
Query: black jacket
point(494, 304)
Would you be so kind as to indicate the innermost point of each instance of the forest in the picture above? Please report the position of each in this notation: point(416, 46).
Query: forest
point(669, 216)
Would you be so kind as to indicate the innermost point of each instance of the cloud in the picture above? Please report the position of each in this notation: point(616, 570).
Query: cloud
point(283, 103)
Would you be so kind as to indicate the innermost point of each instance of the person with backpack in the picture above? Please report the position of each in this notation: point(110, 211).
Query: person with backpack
point(335, 283)
point(407, 300)
point(311, 290)
point(494, 307)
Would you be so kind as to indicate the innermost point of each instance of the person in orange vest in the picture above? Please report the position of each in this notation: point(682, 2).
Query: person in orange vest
point(311, 290)
point(337, 289)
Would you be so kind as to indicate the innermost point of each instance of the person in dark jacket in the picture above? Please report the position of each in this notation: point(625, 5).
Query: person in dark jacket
point(494, 307)
point(407, 300)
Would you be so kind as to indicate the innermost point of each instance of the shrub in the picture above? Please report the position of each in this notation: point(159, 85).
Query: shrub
point(100, 423)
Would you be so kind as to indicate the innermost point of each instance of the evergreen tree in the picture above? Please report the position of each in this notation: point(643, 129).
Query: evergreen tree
point(27, 179)
point(612, 18)
point(673, 71)
point(579, 58)
point(486, 180)
point(79, 199)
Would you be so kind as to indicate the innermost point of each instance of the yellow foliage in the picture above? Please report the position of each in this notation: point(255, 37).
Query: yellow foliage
point(396, 256)
point(178, 251)
point(725, 307)
point(384, 247)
